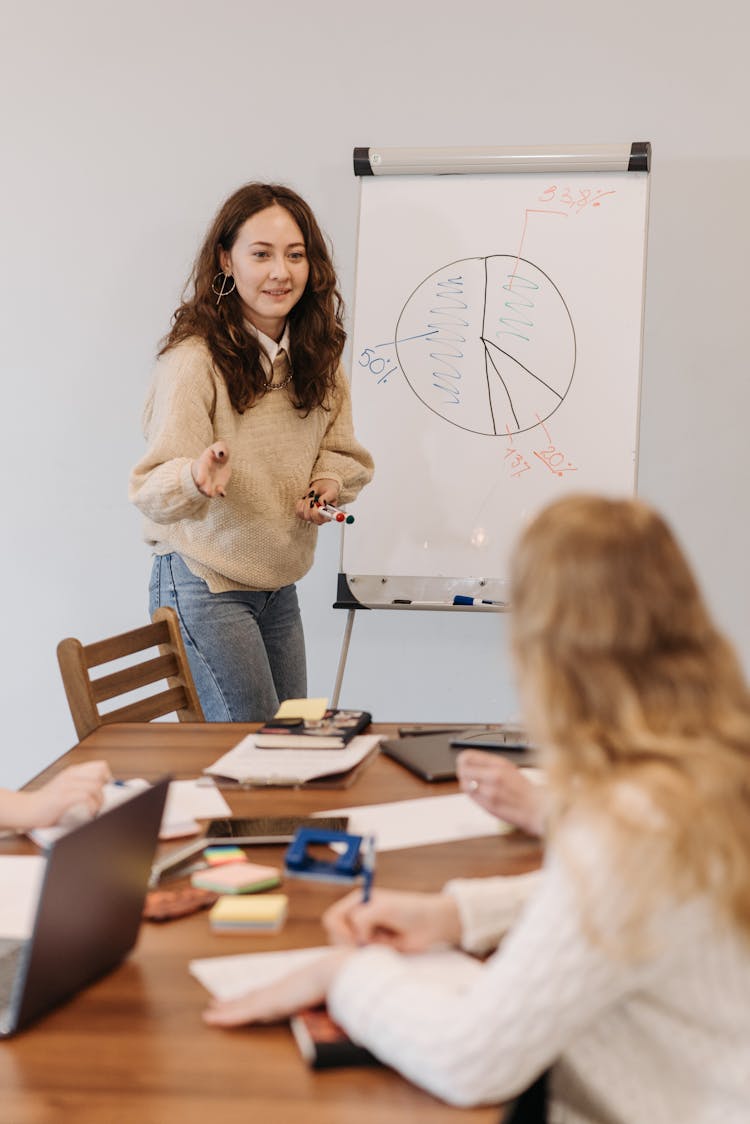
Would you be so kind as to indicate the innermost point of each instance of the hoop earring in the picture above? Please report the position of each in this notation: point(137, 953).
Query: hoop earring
point(223, 291)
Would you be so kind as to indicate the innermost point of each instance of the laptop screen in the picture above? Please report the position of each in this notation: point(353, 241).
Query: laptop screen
point(90, 904)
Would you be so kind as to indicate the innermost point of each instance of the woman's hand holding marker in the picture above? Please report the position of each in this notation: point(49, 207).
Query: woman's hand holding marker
point(322, 492)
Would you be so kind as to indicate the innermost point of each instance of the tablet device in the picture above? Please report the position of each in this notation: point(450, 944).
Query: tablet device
point(433, 757)
point(268, 829)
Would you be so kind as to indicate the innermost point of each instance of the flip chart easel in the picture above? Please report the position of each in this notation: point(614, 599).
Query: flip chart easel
point(498, 321)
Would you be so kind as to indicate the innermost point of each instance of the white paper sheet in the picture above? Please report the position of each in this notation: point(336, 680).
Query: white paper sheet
point(227, 977)
point(20, 883)
point(189, 800)
point(415, 823)
point(250, 765)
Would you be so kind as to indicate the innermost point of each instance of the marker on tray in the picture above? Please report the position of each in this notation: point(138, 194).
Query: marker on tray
point(460, 599)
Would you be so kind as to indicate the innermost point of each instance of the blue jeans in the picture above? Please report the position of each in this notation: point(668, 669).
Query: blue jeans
point(246, 649)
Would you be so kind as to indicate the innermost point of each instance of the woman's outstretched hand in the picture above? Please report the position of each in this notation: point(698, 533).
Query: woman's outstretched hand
point(211, 471)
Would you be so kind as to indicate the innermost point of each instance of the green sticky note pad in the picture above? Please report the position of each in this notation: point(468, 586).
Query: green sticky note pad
point(237, 878)
point(216, 856)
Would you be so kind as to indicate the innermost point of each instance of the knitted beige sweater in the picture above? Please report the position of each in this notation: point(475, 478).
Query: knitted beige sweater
point(251, 539)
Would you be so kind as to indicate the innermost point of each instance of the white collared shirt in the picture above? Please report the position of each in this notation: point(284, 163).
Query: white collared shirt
point(269, 348)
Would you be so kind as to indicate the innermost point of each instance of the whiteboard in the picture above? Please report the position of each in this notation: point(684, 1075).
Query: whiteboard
point(496, 365)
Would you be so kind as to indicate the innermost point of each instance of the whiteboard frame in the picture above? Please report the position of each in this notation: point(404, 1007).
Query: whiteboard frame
point(435, 594)
point(398, 592)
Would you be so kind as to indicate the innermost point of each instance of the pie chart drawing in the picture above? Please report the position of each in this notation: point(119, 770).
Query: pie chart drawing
point(488, 343)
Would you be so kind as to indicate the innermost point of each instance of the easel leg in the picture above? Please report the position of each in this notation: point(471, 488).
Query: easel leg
point(342, 657)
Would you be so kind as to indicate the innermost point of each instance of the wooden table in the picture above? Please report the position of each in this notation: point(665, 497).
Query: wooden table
point(132, 1049)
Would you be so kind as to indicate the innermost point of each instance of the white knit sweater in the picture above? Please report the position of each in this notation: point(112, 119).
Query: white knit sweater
point(664, 1040)
point(252, 539)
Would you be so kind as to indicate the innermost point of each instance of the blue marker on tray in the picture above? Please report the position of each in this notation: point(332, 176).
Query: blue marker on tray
point(460, 599)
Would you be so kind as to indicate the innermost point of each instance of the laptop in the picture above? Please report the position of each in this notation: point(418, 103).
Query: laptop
point(433, 756)
point(88, 912)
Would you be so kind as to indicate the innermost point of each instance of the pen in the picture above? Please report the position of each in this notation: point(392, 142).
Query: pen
point(335, 513)
point(460, 599)
point(422, 604)
point(368, 866)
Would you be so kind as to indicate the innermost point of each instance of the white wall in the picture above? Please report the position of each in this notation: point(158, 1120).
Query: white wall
point(125, 125)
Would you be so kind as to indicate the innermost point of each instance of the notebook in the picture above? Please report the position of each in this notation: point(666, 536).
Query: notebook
point(88, 912)
point(334, 730)
point(433, 757)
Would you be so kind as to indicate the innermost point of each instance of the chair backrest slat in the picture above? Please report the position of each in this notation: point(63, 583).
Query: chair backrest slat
point(127, 643)
point(145, 710)
point(131, 678)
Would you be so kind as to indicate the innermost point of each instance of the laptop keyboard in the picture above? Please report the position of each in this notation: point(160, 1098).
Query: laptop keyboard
point(10, 955)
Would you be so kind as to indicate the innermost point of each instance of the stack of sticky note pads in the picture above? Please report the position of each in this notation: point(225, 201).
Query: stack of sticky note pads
point(230, 874)
point(265, 913)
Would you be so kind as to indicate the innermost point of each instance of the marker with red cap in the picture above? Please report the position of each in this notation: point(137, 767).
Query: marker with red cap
point(335, 513)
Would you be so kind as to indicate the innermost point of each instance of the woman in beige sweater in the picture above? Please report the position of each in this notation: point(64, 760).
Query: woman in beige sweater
point(249, 429)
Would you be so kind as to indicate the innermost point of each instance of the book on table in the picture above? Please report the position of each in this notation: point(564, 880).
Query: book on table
point(323, 1043)
point(334, 730)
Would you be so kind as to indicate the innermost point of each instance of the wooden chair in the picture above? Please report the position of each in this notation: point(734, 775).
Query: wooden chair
point(86, 693)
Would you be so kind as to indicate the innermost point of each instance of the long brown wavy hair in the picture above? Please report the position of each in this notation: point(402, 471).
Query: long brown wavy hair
point(632, 690)
point(315, 322)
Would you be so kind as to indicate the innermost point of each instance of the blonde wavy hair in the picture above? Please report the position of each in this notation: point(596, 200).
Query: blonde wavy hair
point(625, 678)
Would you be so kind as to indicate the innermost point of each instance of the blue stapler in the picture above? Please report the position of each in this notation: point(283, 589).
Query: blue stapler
point(346, 867)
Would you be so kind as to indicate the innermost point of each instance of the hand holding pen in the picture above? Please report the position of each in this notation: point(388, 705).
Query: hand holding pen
point(408, 922)
point(323, 493)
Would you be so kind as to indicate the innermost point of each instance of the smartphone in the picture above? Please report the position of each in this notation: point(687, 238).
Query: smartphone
point(419, 731)
point(268, 829)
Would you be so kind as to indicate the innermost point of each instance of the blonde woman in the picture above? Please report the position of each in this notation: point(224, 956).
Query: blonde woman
point(628, 969)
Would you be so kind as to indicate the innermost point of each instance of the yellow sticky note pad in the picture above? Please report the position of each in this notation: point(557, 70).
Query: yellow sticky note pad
point(263, 913)
point(311, 709)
